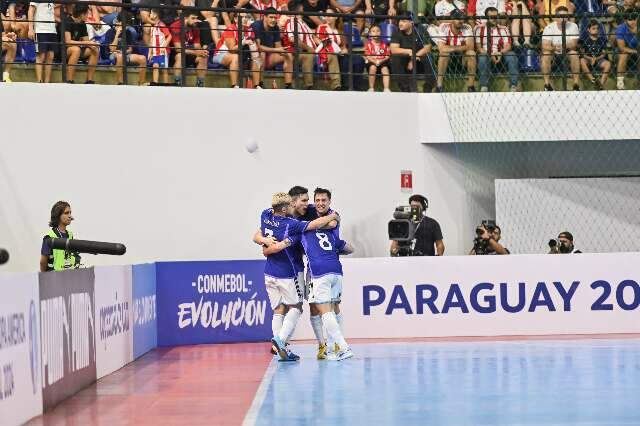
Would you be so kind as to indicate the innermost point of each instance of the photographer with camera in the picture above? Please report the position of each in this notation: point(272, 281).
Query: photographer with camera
point(487, 239)
point(563, 244)
point(413, 233)
point(53, 259)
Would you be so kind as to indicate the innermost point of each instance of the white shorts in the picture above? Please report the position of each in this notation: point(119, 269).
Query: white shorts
point(284, 291)
point(326, 289)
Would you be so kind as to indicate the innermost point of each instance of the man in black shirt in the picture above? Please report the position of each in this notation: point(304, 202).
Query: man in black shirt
point(428, 237)
point(314, 6)
point(78, 44)
point(402, 44)
point(593, 56)
point(270, 47)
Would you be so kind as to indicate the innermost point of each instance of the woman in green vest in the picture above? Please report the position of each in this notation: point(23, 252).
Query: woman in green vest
point(57, 260)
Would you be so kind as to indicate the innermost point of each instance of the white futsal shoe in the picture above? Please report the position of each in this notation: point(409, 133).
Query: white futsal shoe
point(340, 355)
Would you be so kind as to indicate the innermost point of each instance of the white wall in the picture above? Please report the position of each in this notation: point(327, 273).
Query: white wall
point(602, 214)
point(165, 170)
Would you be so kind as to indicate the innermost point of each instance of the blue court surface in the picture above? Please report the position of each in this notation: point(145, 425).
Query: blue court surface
point(562, 382)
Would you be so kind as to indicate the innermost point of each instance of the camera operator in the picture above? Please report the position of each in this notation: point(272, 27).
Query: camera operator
point(563, 244)
point(487, 241)
point(53, 259)
point(428, 235)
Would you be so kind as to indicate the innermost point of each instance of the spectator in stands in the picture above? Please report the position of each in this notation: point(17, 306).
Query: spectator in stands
point(270, 47)
point(521, 28)
point(594, 55)
point(131, 58)
point(159, 42)
point(550, 7)
point(493, 43)
point(377, 56)
point(380, 7)
point(307, 41)
point(78, 44)
point(488, 242)
point(331, 46)
point(566, 246)
point(228, 48)
point(13, 15)
point(166, 15)
point(346, 6)
point(314, 6)
point(9, 48)
point(627, 43)
point(456, 41)
point(402, 43)
point(42, 29)
point(447, 7)
point(195, 55)
point(554, 51)
point(210, 17)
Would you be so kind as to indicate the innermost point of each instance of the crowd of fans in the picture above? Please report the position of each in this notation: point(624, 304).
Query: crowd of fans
point(479, 39)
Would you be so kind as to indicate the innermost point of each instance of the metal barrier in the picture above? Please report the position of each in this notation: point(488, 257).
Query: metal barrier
point(444, 50)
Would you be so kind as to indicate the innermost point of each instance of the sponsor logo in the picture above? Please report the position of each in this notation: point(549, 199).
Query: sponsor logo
point(114, 320)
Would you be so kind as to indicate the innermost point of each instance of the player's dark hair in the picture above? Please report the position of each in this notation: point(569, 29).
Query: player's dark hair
point(270, 11)
point(321, 191)
point(56, 211)
point(562, 9)
point(297, 191)
point(593, 22)
point(80, 9)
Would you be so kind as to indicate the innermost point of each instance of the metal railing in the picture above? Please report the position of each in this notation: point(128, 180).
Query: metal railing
point(444, 51)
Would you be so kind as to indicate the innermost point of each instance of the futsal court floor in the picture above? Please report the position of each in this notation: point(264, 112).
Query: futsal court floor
point(537, 381)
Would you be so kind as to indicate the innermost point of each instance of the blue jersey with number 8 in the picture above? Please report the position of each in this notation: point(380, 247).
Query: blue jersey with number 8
point(322, 247)
point(281, 264)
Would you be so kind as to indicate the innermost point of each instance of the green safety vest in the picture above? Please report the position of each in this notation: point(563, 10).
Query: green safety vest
point(61, 259)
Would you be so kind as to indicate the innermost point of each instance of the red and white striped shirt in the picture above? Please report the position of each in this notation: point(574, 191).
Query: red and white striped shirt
point(330, 36)
point(260, 5)
point(376, 51)
point(500, 38)
point(305, 34)
point(451, 38)
point(159, 34)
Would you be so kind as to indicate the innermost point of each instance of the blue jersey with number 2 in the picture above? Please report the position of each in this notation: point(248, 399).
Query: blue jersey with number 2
point(322, 247)
point(281, 265)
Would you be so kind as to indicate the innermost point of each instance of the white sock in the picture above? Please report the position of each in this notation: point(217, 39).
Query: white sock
point(276, 323)
point(339, 319)
point(5, 75)
point(333, 330)
point(289, 323)
point(620, 78)
point(316, 325)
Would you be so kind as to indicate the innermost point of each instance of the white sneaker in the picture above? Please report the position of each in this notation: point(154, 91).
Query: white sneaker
point(513, 88)
point(387, 90)
point(340, 356)
point(620, 84)
point(371, 90)
point(484, 89)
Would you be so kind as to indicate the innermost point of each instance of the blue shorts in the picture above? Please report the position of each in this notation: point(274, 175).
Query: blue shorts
point(161, 60)
point(220, 54)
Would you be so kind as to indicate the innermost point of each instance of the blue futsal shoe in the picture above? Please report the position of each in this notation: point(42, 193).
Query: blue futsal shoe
point(284, 353)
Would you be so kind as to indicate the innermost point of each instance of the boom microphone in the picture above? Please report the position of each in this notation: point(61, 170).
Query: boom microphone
point(91, 247)
point(4, 256)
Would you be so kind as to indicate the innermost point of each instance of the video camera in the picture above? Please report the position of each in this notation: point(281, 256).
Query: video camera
point(402, 228)
point(556, 247)
point(480, 245)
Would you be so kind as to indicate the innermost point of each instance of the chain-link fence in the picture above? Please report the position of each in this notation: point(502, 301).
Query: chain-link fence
point(447, 47)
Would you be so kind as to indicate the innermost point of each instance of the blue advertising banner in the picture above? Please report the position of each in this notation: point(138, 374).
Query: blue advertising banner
point(145, 330)
point(212, 302)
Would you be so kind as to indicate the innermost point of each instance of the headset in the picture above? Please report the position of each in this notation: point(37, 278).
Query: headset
point(424, 202)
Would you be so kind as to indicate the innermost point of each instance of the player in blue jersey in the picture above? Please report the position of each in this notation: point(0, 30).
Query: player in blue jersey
point(323, 248)
point(282, 280)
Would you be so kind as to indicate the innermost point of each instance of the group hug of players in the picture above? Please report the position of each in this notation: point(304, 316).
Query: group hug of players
point(290, 230)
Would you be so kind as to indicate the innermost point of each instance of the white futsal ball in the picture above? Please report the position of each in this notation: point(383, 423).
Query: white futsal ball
point(251, 146)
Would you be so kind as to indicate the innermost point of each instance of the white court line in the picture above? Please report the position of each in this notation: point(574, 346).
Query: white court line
point(252, 415)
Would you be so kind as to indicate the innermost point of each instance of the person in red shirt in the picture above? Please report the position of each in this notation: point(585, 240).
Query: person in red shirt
point(331, 46)
point(227, 49)
point(377, 57)
point(195, 54)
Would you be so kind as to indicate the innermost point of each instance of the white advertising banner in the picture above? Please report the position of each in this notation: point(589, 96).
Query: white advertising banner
point(490, 296)
point(114, 318)
point(20, 385)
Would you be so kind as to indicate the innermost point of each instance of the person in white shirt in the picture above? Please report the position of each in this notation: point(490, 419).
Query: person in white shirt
point(554, 50)
point(446, 7)
point(42, 30)
point(456, 39)
point(493, 43)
